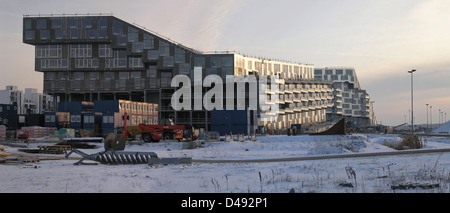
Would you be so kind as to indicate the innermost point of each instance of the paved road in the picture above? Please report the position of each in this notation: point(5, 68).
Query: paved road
point(353, 155)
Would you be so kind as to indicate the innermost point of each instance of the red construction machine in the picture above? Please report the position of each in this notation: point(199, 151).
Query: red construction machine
point(155, 133)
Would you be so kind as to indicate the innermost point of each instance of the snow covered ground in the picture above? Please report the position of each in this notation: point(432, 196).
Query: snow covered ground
point(384, 174)
point(443, 129)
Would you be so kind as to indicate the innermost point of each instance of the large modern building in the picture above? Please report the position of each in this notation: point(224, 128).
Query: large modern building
point(89, 58)
point(350, 100)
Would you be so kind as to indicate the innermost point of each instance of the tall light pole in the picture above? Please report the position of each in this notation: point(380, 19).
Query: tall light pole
point(431, 117)
point(412, 101)
point(427, 115)
point(439, 118)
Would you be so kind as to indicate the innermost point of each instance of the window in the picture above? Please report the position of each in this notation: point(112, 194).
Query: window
point(27, 24)
point(48, 51)
point(87, 23)
point(152, 54)
point(216, 62)
point(227, 61)
point(88, 119)
point(133, 34)
point(63, 76)
point(184, 69)
point(56, 23)
point(168, 61)
point(102, 34)
point(108, 75)
point(119, 60)
point(104, 51)
point(55, 51)
point(164, 51)
point(74, 33)
point(72, 23)
point(78, 75)
point(339, 72)
point(137, 47)
point(81, 50)
point(116, 28)
point(180, 58)
point(151, 72)
point(148, 41)
point(86, 63)
point(276, 68)
point(91, 34)
point(60, 34)
point(121, 40)
point(199, 62)
point(49, 76)
point(30, 34)
point(102, 23)
point(53, 63)
point(166, 79)
point(41, 24)
point(123, 75)
point(136, 63)
point(135, 74)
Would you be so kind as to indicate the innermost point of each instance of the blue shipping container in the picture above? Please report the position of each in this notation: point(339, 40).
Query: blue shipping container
point(76, 106)
point(106, 106)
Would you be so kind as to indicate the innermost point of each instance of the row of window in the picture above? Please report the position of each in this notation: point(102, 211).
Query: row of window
point(94, 75)
point(91, 63)
point(333, 72)
point(66, 34)
point(67, 23)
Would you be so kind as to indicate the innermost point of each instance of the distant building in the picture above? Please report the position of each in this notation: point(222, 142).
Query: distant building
point(12, 95)
point(37, 103)
point(28, 102)
point(350, 100)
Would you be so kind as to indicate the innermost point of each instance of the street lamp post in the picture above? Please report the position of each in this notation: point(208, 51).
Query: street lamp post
point(412, 101)
point(427, 115)
point(439, 118)
point(431, 116)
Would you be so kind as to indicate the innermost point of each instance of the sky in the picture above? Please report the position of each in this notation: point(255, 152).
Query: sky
point(381, 39)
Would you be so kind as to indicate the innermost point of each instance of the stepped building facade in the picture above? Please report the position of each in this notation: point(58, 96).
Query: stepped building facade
point(89, 58)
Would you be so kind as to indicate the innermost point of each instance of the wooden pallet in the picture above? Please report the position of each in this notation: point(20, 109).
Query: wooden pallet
point(19, 159)
point(54, 149)
point(28, 159)
point(4, 154)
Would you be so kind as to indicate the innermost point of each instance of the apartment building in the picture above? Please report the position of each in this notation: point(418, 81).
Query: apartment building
point(101, 57)
point(350, 100)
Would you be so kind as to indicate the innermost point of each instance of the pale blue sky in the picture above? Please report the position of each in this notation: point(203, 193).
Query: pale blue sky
point(381, 39)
